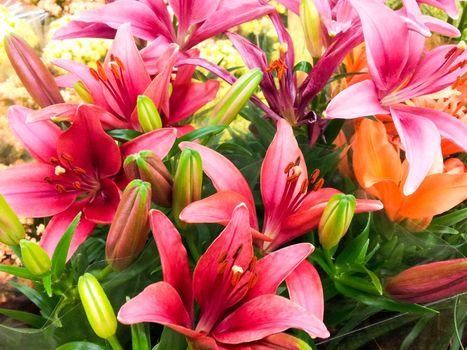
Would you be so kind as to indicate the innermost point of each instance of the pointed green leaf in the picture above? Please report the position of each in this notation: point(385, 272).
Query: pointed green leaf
point(355, 251)
point(171, 340)
point(37, 298)
point(17, 271)
point(451, 218)
point(33, 320)
point(124, 134)
point(140, 336)
point(195, 135)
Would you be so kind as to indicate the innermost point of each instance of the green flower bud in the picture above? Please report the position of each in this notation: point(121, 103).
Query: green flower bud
point(311, 24)
point(34, 258)
point(148, 167)
point(83, 92)
point(148, 115)
point(11, 229)
point(237, 96)
point(188, 182)
point(99, 311)
point(336, 219)
point(130, 227)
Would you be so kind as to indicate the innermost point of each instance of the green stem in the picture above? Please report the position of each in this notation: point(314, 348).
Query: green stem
point(114, 343)
point(192, 246)
point(100, 275)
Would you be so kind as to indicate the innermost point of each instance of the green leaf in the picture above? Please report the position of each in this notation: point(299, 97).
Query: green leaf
point(414, 333)
point(33, 320)
point(80, 345)
point(17, 271)
point(355, 251)
point(47, 282)
point(197, 134)
point(303, 66)
point(332, 130)
point(171, 340)
point(37, 298)
point(451, 218)
point(140, 337)
point(61, 251)
point(124, 134)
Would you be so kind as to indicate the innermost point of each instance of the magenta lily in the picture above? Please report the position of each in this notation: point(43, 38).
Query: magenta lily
point(235, 292)
point(397, 75)
point(115, 85)
point(198, 20)
point(290, 209)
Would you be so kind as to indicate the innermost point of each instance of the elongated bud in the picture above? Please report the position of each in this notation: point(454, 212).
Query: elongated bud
point(32, 72)
point(83, 92)
point(147, 166)
point(148, 115)
point(336, 219)
point(311, 24)
point(188, 182)
point(11, 229)
point(429, 282)
point(99, 311)
point(34, 258)
point(130, 227)
point(237, 96)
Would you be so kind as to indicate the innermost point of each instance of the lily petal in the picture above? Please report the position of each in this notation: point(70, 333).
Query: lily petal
point(174, 258)
point(266, 315)
point(448, 6)
point(102, 207)
point(158, 141)
point(78, 29)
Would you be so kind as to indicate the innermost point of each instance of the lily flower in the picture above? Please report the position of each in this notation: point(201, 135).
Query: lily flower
point(291, 209)
point(234, 290)
point(380, 172)
point(197, 20)
point(448, 6)
point(116, 84)
point(397, 75)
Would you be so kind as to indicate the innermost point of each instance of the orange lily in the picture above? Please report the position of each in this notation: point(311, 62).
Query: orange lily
point(380, 172)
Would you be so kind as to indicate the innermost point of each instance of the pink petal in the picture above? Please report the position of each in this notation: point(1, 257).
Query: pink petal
point(368, 205)
point(174, 258)
point(152, 52)
point(103, 205)
point(159, 7)
point(191, 12)
point(78, 29)
point(358, 100)
point(217, 208)
point(448, 6)
point(97, 152)
point(439, 26)
point(305, 289)
point(224, 174)
point(213, 290)
point(158, 303)
point(40, 139)
point(293, 5)
point(266, 315)
point(29, 195)
point(158, 141)
point(421, 141)
point(275, 267)
point(57, 227)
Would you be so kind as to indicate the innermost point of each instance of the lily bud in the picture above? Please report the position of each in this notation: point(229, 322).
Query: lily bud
point(32, 72)
point(11, 229)
point(148, 167)
point(336, 219)
point(34, 258)
point(188, 182)
point(148, 115)
point(99, 311)
point(237, 96)
point(429, 282)
point(130, 227)
point(83, 92)
point(311, 24)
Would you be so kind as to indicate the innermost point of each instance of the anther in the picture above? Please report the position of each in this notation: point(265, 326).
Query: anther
point(101, 71)
point(60, 188)
point(59, 170)
point(237, 253)
point(222, 257)
point(318, 184)
point(237, 272)
point(288, 167)
point(314, 176)
point(48, 179)
point(79, 171)
point(94, 74)
point(77, 185)
point(222, 266)
point(296, 171)
point(53, 160)
point(119, 62)
point(67, 157)
point(252, 265)
point(304, 187)
point(115, 71)
point(252, 281)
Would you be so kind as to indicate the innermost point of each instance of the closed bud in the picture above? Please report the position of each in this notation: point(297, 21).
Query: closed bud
point(336, 219)
point(188, 182)
point(32, 72)
point(148, 115)
point(237, 96)
point(83, 92)
point(130, 227)
point(429, 282)
point(99, 311)
point(311, 24)
point(34, 258)
point(148, 167)
point(11, 229)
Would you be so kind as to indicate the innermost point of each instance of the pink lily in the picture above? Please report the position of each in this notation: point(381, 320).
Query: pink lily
point(448, 6)
point(399, 74)
point(290, 209)
point(116, 84)
point(197, 20)
point(235, 292)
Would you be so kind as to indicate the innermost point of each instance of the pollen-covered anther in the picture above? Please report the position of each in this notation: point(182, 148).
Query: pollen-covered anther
point(222, 266)
point(79, 171)
point(252, 280)
point(67, 157)
point(60, 188)
point(101, 71)
point(288, 167)
point(77, 185)
point(294, 173)
point(304, 187)
point(319, 184)
point(115, 70)
point(53, 160)
point(59, 170)
point(94, 74)
point(118, 61)
point(237, 272)
point(314, 176)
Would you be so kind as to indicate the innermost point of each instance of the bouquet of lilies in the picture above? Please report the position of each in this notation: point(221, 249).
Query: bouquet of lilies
point(288, 203)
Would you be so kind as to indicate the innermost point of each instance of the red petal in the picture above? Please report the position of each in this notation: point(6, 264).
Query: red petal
point(101, 209)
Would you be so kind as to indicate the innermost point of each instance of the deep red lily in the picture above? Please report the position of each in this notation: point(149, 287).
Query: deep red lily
point(235, 292)
point(198, 20)
point(116, 84)
point(290, 209)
